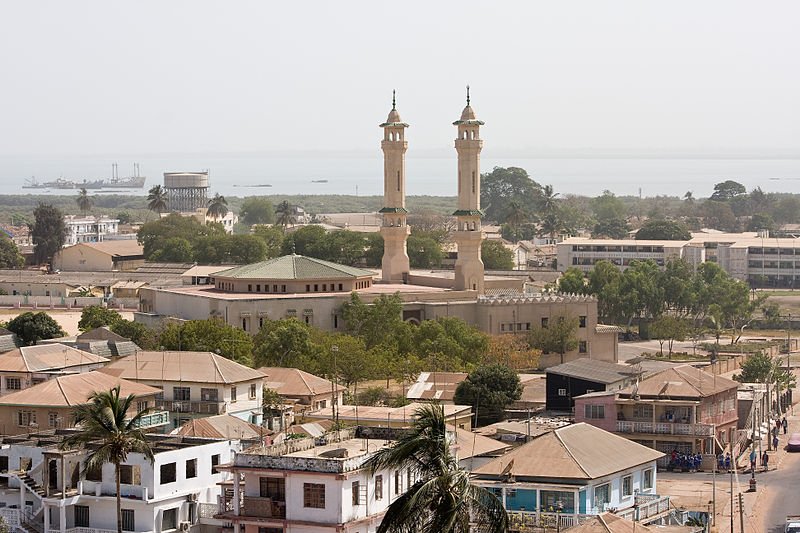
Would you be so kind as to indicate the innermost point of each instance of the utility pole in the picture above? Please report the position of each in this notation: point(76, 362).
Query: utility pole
point(741, 513)
point(733, 464)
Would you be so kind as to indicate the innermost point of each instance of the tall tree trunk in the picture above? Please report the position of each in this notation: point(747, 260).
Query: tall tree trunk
point(119, 499)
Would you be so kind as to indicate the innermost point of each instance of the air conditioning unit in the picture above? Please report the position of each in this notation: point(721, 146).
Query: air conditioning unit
point(192, 497)
point(185, 526)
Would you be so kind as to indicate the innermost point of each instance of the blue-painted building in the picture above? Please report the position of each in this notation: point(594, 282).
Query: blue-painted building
point(574, 471)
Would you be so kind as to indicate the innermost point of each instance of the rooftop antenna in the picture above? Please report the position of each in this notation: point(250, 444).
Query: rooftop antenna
point(467, 94)
point(393, 100)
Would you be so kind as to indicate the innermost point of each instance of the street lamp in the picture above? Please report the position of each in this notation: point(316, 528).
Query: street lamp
point(334, 387)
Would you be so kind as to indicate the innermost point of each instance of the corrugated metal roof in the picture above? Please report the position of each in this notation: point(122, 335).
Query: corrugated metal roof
point(578, 451)
point(220, 427)
point(436, 386)
point(294, 382)
point(196, 367)
point(593, 370)
point(294, 267)
point(74, 389)
point(43, 357)
point(683, 382)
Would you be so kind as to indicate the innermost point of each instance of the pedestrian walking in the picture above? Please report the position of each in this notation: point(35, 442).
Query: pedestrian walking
point(753, 458)
point(728, 462)
point(785, 425)
point(775, 442)
point(765, 461)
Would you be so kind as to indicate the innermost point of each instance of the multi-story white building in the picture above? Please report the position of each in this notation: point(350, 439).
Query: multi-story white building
point(42, 486)
point(753, 257)
point(89, 228)
point(196, 384)
point(298, 486)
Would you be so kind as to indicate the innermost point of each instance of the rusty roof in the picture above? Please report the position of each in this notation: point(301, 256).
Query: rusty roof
point(578, 451)
point(46, 357)
point(195, 367)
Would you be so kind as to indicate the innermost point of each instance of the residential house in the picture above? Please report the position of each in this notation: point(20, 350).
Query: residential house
point(474, 450)
point(581, 376)
point(222, 427)
point(397, 417)
point(8, 341)
point(26, 366)
point(44, 488)
point(435, 386)
point(103, 256)
point(51, 404)
point(573, 472)
point(89, 228)
point(611, 523)
point(313, 486)
point(681, 408)
point(196, 384)
point(310, 392)
point(99, 341)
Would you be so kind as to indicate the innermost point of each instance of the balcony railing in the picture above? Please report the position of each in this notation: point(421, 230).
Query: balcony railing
point(665, 428)
point(647, 507)
point(525, 520)
point(11, 516)
point(263, 507)
point(97, 488)
point(154, 419)
point(200, 408)
point(89, 530)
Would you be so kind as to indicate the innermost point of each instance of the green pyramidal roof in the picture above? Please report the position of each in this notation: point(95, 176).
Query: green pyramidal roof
point(294, 267)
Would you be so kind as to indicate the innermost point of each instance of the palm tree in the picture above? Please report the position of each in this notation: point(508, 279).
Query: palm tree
point(550, 225)
point(217, 207)
point(285, 215)
point(549, 202)
point(442, 500)
point(108, 434)
point(84, 201)
point(157, 199)
point(516, 215)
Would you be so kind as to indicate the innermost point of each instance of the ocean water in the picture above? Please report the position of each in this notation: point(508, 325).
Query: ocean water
point(236, 175)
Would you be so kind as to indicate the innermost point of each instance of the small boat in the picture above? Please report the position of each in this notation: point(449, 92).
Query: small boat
point(319, 181)
point(252, 186)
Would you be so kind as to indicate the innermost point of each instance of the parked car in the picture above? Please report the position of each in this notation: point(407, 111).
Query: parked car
point(794, 443)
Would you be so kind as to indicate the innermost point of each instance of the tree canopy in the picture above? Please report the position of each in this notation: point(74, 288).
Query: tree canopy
point(210, 335)
point(30, 328)
point(489, 389)
point(496, 256)
point(610, 217)
point(727, 190)
point(559, 335)
point(49, 233)
point(9, 253)
point(257, 210)
point(663, 230)
point(96, 316)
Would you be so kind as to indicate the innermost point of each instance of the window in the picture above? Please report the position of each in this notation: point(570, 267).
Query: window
point(545, 320)
point(582, 347)
point(562, 392)
point(602, 497)
point(249, 288)
point(627, 485)
point(4, 463)
point(191, 468)
point(258, 287)
point(252, 391)
point(126, 474)
point(340, 286)
point(643, 412)
point(52, 420)
point(314, 495)
point(283, 288)
point(26, 418)
point(81, 516)
point(273, 488)
point(209, 395)
point(168, 473)
point(397, 480)
point(181, 394)
point(233, 394)
point(647, 479)
point(169, 519)
point(141, 406)
point(355, 489)
point(274, 288)
point(214, 463)
point(594, 411)
point(379, 487)
point(270, 530)
point(128, 520)
point(582, 321)
point(13, 384)
point(94, 474)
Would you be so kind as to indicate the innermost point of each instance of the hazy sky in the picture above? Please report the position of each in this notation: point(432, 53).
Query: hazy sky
point(163, 77)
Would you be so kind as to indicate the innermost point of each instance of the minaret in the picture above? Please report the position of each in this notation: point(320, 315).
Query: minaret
point(395, 231)
point(468, 234)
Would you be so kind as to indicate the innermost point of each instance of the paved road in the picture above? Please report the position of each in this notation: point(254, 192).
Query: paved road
point(781, 494)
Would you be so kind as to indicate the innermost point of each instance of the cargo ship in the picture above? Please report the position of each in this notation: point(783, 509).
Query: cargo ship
point(115, 182)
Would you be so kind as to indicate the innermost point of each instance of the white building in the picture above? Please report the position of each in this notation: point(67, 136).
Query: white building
point(166, 495)
point(298, 487)
point(753, 257)
point(574, 472)
point(196, 384)
point(89, 228)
